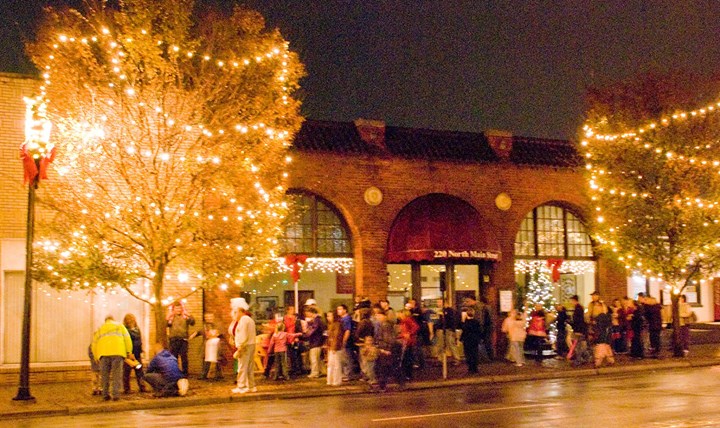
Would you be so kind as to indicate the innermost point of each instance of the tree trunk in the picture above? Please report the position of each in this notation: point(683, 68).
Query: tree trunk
point(158, 308)
point(160, 323)
point(676, 345)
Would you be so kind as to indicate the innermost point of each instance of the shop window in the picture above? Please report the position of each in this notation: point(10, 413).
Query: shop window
point(554, 258)
point(399, 284)
point(315, 228)
point(549, 231)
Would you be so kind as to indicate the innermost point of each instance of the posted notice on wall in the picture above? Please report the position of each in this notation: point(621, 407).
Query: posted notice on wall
point(506, 300)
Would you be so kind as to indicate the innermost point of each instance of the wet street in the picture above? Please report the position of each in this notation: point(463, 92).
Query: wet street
point(682, 398)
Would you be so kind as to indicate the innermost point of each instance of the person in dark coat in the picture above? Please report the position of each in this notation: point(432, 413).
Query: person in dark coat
point(653, 316)
point(580, 331)
point(636, 316)
point(603, 328)
point(136, 338)
point(389, 352)
point(164, 374)
point(561, 321)
point(364, 329)
point(471, 337)
point(488, 327)
point(179, 322)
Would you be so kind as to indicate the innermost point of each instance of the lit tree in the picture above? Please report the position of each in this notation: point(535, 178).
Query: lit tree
point(539, 291)
point(653, 167)
point(172, 132)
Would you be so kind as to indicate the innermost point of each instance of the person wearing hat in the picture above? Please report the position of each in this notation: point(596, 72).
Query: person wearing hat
point(311, 303)
point(315, 340)
point(245, 343)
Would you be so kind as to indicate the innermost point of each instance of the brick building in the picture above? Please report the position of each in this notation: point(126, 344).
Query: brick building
point(381, 211)
point(412, 198)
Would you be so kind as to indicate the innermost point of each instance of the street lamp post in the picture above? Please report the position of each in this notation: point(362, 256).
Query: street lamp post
point(23, 393)
point(36, 153)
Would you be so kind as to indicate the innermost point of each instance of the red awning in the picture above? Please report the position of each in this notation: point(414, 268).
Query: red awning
point(440, 227)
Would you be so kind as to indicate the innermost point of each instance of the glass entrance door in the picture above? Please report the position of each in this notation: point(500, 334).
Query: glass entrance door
point(422, 282)
point(466, 284)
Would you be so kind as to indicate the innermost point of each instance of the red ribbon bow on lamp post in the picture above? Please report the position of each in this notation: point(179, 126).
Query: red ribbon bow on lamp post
point(555, 264)
point(294, 261)
point(30, 164)
point(37, 151)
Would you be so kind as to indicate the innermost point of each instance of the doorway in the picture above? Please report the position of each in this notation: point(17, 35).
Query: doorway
point(421, 281)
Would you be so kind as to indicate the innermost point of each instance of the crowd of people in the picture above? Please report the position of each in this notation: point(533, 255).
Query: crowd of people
point(601, 331)
point(372, 342)
point(116, 352)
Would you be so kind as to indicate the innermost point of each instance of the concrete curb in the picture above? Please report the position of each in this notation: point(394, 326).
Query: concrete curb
point(24, 410)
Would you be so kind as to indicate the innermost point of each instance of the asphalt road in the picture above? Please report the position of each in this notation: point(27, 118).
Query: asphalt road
point(678, 399)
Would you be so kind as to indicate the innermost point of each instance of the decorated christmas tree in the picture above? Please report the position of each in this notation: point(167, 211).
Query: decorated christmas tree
point(540, 291)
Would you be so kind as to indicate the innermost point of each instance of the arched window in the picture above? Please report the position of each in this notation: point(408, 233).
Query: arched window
point(314, 228)
point(550, 231)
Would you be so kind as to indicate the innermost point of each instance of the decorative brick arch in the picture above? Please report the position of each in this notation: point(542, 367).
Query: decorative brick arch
point(338, 208)
point(574, 208)
point(349, 222)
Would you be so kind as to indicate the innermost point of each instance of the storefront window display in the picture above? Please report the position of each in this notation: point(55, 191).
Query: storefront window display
point(315, 229)
point(554, 257)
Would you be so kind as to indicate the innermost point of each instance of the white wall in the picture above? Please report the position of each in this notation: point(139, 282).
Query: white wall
point(62, 321)
point(12, 254)
point(705, 311)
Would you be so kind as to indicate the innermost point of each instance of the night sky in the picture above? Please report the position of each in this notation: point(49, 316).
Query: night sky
point(521, 66)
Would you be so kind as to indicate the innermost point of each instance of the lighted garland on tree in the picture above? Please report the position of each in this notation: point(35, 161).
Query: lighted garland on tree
point(653, 170)
point(172, 133)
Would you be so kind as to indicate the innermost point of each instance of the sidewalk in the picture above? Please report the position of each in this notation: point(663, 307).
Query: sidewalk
point(75, 398)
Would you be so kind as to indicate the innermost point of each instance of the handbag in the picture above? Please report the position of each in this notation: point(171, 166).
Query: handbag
point(132, 362)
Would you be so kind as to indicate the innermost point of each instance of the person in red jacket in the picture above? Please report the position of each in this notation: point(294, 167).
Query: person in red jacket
point(408, 339)
point(537, 331)
point(292, 326)
point(277, 346)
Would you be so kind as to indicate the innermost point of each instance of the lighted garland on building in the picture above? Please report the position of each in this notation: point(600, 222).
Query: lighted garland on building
point(576, 267)
point(172, 136)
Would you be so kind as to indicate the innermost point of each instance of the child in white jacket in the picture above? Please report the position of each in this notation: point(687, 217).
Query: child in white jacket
point(514, 327)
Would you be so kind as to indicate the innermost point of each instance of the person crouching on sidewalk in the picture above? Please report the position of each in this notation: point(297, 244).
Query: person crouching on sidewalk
point(164, 374)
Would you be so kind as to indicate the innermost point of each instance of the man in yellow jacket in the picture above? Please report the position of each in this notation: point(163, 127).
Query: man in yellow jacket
point(111, 344)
